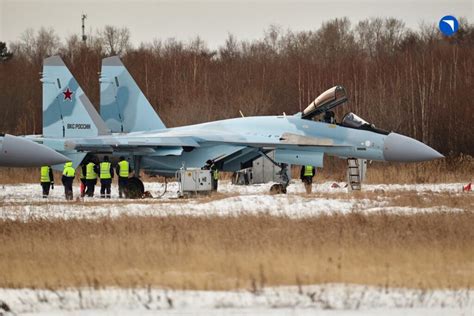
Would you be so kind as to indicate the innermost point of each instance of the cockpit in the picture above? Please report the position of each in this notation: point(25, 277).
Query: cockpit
point(328, 100)
point(353, 121)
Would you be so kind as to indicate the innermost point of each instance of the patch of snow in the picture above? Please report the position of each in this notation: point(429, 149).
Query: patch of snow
point(330, 298)
point(24, 201)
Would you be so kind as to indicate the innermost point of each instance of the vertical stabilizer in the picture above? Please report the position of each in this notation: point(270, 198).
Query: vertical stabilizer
point(67, 111)
point(123, 106)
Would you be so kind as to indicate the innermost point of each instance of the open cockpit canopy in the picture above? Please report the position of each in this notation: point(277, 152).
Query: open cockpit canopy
point(325, 102)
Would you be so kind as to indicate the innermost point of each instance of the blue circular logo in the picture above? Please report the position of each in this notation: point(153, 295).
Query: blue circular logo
point(448, 25)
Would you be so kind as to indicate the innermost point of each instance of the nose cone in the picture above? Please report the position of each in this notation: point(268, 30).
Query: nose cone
point(401, 148)
point(21, 152)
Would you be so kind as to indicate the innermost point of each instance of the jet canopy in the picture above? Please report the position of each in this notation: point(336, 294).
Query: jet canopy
point(325, 102)
point(353, 121)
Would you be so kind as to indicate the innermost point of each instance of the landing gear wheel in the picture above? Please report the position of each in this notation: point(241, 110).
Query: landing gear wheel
point(278, 188)
point(135, 188)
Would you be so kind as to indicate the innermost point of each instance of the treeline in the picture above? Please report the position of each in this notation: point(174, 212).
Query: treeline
point(418, 83)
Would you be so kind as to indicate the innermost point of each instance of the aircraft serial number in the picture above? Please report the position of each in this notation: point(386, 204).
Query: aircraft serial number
point(78, 126)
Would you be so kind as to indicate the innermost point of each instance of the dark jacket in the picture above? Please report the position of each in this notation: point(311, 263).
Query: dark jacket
point(67, 180)
point(51, 177)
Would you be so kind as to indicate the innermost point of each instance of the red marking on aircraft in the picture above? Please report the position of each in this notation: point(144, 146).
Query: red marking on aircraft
point(68, 94)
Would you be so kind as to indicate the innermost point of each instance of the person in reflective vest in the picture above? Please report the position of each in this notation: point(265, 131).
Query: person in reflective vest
point(105, 174)
point(306, 175)
point(210, 165)
point(67, 180)
point(82, 177)
point(123, 172)
point(47, 180)
point(91, 170)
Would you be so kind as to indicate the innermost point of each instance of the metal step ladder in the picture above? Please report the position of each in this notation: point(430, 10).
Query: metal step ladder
point(353, 174)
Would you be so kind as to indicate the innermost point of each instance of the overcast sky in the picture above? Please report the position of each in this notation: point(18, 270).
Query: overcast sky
point(212, 20)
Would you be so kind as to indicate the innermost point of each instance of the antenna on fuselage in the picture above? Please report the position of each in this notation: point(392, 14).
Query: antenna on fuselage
point(241, 114)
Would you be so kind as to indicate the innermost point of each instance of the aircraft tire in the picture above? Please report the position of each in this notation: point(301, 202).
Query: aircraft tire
point(278, 188)
point(135, 188)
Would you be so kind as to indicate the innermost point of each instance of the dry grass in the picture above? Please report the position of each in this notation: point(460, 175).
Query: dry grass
point(451, 169)
point(412, 199)
point(422, 250)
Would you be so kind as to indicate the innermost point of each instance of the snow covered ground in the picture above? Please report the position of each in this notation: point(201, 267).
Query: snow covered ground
point(328, 299)
point(24, 201)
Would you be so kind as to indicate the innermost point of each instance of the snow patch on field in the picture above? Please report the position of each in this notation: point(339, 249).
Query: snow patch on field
point(24, 201)
point(329, 297)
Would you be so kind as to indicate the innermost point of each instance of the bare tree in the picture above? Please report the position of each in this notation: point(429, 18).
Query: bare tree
point(38, 46)
point(114, 40)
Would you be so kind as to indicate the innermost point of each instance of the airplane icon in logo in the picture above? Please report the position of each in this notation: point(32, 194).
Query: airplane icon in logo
point(448, 25)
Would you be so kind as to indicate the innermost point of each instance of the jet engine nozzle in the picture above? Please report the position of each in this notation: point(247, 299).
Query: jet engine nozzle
point(400, 148)
point(21, 152)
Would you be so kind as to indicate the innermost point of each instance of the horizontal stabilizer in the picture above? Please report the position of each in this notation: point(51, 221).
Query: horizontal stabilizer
point(22, 152)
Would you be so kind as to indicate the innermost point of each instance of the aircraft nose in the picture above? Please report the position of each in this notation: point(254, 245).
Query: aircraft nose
point(401, 148)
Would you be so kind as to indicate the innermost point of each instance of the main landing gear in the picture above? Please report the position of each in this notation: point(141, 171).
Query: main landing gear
point(135, 188)
point(279, 188)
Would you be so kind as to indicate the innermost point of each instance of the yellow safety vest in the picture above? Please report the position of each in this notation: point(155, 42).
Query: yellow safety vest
point(68, 170)
point(123, 169)
point(81, 174)
point(90, 173)
point(105, 170)
point(308, 171)
point(215, 174)
point(45, 174)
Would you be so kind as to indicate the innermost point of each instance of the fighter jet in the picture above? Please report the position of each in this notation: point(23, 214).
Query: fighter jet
point(129, 126)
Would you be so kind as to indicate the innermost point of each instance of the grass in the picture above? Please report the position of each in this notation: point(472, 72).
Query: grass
point(432, 250)
point(451, 169)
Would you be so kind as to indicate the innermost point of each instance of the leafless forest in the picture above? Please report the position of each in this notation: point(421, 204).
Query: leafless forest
point(415, 82)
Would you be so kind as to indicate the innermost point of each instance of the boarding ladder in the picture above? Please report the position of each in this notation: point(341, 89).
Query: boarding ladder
point(353, 174)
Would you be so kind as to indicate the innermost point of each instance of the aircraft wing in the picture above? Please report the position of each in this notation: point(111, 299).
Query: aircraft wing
point(286, 140)
point(295, 140)
point(250, 140)
point(136, 144)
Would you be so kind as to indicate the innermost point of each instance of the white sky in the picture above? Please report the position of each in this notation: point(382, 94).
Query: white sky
point(212, 20)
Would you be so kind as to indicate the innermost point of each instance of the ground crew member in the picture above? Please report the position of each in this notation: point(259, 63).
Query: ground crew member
point(123, 172)
point(215, 177)
point(105, 174)
point(82, 177)
point(47, 180)
point(91, 177)
point(306, 175)
point(210, 165)
point(67, 179)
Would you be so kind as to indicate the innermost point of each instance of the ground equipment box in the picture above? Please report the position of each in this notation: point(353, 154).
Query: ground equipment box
point(194, 181)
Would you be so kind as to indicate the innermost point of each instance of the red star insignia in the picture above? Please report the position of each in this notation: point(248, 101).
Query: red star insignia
point(68, 94)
